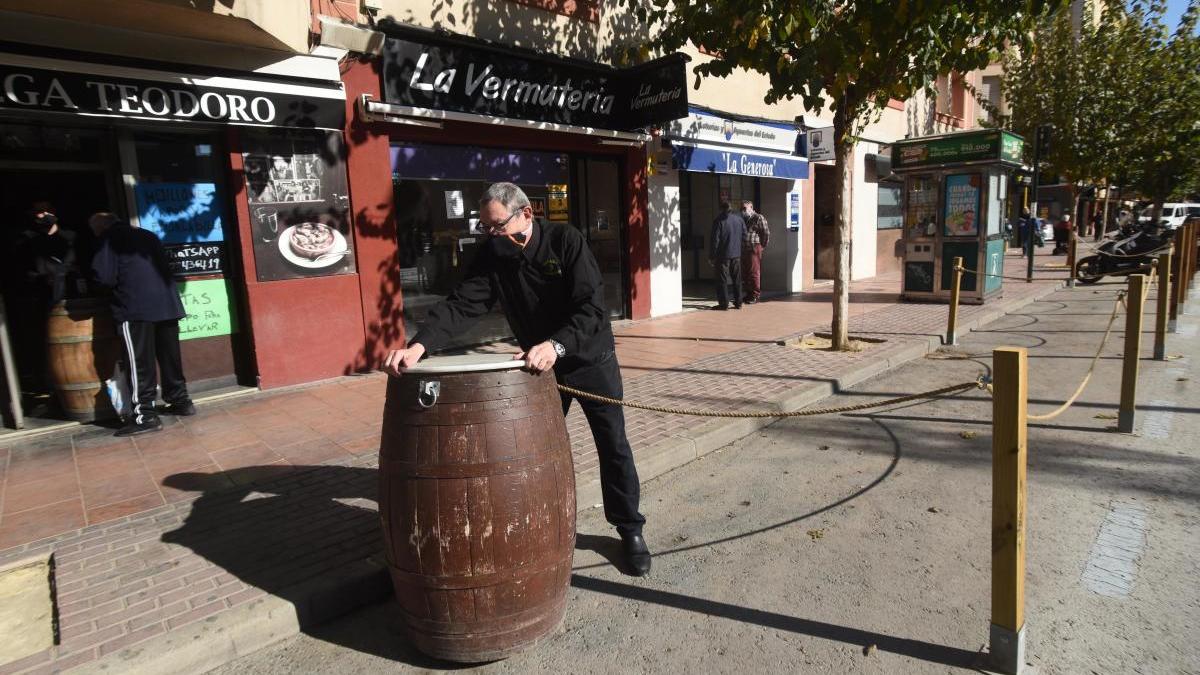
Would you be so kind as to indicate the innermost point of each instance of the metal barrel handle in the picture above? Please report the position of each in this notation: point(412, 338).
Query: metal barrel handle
point(428, 392)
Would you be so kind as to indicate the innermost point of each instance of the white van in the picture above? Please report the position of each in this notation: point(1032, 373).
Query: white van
point(1173, 213)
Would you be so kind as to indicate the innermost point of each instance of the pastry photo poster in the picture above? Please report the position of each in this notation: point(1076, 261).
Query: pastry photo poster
point(299, 209)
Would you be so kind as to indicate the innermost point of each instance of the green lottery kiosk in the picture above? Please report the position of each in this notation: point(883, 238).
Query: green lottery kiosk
point(955, 201)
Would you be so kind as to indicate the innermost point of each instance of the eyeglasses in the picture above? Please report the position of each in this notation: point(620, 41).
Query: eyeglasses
point(500, 225)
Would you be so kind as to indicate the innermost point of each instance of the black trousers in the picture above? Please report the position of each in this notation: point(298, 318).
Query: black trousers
point(152, 347)
point(728, 271)
point(618, 476)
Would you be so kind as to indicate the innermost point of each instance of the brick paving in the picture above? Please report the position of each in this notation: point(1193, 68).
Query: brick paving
point(255, 495)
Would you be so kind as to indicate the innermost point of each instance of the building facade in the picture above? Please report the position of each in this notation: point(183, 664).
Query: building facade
point(313, 165)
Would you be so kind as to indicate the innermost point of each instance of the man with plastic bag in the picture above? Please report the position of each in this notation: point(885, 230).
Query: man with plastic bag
point(146, 310)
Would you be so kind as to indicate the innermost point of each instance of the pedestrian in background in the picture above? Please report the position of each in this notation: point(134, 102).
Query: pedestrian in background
point(725, 254)
point(754, 242)
point(146, 309)
point(1062, 234)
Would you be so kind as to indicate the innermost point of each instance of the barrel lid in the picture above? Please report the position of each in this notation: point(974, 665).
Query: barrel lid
point(466, 363)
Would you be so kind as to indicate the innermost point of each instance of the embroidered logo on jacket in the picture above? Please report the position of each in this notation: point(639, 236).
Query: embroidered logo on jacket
point(552, 268)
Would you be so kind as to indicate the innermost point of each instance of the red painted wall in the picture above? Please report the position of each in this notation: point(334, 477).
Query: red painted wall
point(370, 172)
point(302, 329)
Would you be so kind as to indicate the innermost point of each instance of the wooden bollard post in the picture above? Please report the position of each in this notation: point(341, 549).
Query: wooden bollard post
point(1134, 303)
point(1009, 408)
point(952, 318)
point(1160, 315)
point(1176, 277)
point(1190, 236)
point(1071, 260)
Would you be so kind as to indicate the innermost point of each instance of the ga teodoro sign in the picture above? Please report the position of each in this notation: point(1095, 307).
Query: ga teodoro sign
point(53, 85)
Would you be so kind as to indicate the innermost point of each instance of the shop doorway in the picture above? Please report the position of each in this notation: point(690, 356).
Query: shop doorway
point(598, 214)
point(75, 193)
point(825, 189)
point(700, 197)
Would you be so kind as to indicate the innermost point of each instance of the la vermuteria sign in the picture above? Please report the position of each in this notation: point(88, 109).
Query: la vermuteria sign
point(443, 74)
point(37, 85)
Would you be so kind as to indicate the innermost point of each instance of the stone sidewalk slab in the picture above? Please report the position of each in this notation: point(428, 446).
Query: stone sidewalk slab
point(275, 544)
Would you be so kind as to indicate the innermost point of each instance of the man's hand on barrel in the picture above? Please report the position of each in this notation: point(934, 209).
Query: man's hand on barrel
point(399, 359)
point(540, 358)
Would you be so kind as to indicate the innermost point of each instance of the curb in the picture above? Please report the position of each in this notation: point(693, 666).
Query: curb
point(224, 637)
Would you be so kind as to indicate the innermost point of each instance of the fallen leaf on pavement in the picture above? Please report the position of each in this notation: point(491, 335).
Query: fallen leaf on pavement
point(822, 447)
point(869, 650)
point(816, 534)
point(968, 434)
point(1182, 379)
point(933, 509)
point(1105, 416)
point(746, 503)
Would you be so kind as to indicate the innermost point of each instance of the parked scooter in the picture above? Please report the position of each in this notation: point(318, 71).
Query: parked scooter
point(1130, 250)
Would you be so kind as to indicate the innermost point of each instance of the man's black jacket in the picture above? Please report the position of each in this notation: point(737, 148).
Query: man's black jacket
point(132, 262)
point(727, 232)
point(551, 289)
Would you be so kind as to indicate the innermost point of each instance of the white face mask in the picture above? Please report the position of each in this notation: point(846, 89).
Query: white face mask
point(747, 212)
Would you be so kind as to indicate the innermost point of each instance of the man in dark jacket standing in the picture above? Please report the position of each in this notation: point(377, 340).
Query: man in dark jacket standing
point(726, 256)
point(549, 284)
point(146, 309)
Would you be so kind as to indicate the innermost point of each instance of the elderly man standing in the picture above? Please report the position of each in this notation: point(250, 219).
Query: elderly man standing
point(549, 284)
point(725, 254)
point(754, 242)
point(147, 309)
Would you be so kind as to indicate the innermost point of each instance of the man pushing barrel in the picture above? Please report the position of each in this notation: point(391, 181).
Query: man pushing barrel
point(550, 287)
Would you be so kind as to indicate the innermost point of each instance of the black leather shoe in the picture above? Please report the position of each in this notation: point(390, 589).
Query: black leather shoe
point(182, 409)
point(148, 424)
point(637, 556)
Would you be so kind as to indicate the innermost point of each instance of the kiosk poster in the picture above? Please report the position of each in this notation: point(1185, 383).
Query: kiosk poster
point(299, 208)
point(180, 213)
point(208, 312)
point(961, 214)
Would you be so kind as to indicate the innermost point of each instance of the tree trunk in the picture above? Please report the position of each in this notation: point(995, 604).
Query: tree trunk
point(844, 161)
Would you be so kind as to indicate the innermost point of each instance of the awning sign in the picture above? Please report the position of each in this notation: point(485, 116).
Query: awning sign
point(732, 161)
point(455, 75)
point(34, 84)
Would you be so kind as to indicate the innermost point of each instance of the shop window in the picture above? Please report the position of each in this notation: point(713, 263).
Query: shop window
point(436, 191)
point(177, 192)
point(587, 10)
point(299, 204)
point(888, 215)
point(990, 91)
point(951, 98)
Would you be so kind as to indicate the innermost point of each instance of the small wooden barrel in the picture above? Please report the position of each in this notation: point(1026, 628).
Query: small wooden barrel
point(82, 351)
point(477, 498)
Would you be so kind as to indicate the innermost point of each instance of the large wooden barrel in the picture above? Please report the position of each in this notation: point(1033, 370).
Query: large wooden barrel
point(477, 498)
point(82, 351)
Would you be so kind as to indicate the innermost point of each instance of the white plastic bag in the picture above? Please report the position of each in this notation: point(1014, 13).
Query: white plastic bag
point(118, 391)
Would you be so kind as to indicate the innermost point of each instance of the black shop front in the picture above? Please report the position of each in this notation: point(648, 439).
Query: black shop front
point(152, 143)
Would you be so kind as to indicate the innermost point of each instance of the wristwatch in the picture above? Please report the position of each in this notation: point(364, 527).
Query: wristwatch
point(558, 348)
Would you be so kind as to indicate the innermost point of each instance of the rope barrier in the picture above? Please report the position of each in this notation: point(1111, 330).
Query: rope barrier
point(1091, 369)
point(998, 276)
point(979, 383)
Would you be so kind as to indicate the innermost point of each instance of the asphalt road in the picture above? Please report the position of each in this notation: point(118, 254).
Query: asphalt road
point(860, 543)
